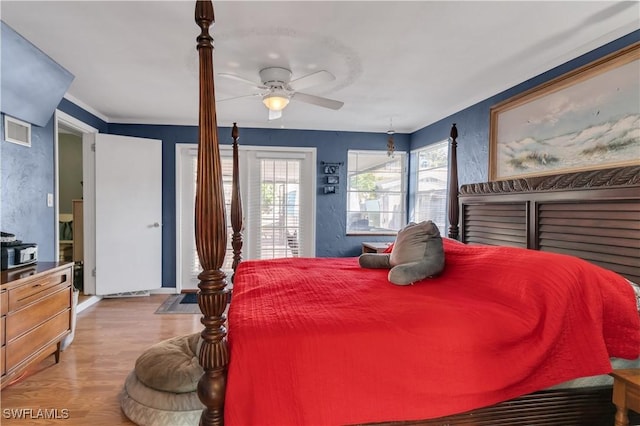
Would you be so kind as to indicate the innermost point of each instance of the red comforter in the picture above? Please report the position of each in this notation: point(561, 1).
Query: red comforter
point(324, 342)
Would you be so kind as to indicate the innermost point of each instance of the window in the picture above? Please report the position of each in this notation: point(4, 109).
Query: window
point(376, 192)
point(431, 188)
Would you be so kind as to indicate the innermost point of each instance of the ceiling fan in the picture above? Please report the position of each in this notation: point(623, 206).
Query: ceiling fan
point(277, 89)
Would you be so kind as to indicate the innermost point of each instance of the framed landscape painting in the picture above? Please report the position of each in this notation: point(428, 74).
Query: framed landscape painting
point(586, 119)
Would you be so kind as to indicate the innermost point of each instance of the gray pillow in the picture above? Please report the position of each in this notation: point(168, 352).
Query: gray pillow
point(411, 243)
point(417, 254)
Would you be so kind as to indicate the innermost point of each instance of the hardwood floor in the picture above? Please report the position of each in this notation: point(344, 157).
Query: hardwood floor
point(109, 336)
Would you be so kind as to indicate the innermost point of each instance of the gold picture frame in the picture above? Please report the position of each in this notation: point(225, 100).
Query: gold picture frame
point(586, 119)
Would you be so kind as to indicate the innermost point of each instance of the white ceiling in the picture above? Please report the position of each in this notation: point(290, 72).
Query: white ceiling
point(409, 63)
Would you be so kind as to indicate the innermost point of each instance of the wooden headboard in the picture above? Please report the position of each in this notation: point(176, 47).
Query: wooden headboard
point(593, 215)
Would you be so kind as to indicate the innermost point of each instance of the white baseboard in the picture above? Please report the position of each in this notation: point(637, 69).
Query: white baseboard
point(87, 302)
point(165, 290)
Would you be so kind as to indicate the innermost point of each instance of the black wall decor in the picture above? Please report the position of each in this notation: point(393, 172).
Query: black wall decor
point(331, 168)
point(331, 181)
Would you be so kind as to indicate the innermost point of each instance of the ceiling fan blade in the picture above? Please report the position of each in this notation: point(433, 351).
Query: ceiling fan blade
point(274, 115)
point(238, 97)
point(317, 100)
point(312, 79)
point(241, 79)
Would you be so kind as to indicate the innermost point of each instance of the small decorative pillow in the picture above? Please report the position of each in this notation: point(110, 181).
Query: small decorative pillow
point(417, 254)
point(374, 260)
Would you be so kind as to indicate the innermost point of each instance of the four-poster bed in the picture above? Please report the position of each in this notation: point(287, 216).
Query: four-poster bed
point(530, 213)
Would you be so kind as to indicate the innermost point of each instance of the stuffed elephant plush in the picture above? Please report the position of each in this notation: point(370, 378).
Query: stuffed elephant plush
point(416, 254)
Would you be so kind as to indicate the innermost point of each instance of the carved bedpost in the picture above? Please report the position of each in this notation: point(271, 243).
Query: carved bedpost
point(454, 207)
point(236, 206)
point(211, 234)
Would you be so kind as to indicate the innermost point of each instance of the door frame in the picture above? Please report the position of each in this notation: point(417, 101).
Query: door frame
point(66, 120)
point(182, 148)
point(286, 152)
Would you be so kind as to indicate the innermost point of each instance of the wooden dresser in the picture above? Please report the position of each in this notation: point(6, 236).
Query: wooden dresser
point(35, 305)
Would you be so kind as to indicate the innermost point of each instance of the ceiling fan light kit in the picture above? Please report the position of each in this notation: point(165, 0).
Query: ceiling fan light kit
point(275, 101)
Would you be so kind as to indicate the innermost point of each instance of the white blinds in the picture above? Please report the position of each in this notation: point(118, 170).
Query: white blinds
point(281, 203)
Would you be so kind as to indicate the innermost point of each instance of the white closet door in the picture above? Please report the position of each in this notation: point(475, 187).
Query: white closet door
point(128, 214)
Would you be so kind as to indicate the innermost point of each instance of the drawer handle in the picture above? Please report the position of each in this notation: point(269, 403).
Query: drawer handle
point(37, 285)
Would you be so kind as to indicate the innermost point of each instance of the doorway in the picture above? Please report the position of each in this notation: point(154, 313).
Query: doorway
point(278, 191)
point(69, 198)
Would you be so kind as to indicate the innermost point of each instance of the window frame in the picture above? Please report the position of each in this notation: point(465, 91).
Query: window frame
point(403, 193)
point(415, 193)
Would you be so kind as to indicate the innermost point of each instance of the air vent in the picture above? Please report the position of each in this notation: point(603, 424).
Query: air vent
point(17, 131)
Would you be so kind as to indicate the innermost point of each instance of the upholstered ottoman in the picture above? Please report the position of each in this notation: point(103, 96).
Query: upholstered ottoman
point(161, 389)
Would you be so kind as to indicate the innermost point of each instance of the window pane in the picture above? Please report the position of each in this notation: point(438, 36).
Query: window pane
point(280, 208)
point(376, 192)
point(431, 189)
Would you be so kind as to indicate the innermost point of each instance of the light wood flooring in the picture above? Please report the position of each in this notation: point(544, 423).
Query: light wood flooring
point(109, 336)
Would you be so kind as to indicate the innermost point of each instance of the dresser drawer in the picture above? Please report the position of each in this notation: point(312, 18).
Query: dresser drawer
point(3, 360)
point(30, 343)
point(38, 288)
point(24, 320)
point(4, 302)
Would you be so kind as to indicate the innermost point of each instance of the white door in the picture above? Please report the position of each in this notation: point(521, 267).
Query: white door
point(278, 198)
point(128, 212)
point(188, 265)
point(280, 206)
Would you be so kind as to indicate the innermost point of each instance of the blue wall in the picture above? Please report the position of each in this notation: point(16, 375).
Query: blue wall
point(31, 83)
point(27, 174)
point(27, 178)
